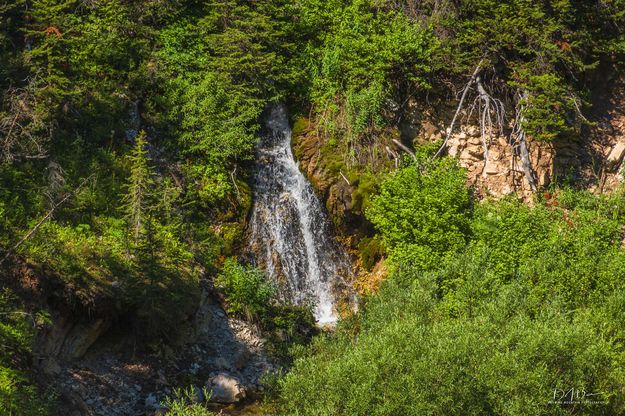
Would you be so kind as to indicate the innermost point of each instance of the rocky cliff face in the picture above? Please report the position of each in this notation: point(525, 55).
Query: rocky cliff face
point(593, 160)
point(500, 173)
point(335, 190)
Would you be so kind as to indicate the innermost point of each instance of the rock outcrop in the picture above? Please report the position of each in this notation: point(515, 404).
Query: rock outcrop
point(66, 340)
point(615, 158)
point(495, 169)
point(103, 374)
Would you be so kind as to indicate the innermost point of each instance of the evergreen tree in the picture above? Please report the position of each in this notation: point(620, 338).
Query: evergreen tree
point(139, 187)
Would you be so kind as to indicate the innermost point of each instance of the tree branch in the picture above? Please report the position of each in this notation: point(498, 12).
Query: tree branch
point(460, 104)
point(404, 148)
point(43, 220)
point(520, 145)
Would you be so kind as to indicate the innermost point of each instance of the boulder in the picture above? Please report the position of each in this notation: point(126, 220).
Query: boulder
point(616, 156)
point(225, 388)
point(429, 128)
point(66, 339)
point(82, 336)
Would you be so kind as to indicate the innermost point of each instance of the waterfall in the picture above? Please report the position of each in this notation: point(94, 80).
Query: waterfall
point(291, 236)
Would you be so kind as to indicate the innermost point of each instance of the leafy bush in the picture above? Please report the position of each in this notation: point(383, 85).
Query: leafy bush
point(250, 294)
point(247, 289)
point(423, 208)
point(494, 359)
point(18, 395)
point(524, 308)
point(364, 55)
point(483, 349)
point(569, 245)
point(188, 402)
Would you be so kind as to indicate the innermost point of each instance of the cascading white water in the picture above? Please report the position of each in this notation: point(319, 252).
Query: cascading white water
point(290, 233)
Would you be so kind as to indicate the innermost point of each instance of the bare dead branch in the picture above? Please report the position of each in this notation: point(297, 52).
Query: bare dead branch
point(460, 104)
point(404, 148)
point(518, 140)
point(393, 155)
point(234, 182)
point(491, 115)
point(345, 179)
point(44, 219)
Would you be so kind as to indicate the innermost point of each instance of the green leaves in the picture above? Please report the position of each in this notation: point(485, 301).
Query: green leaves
point(361, 57)
point(140, 186)
point(17, 328)
point(480, 333)
point(248, 291)
point(548, 107)
point(424, 204)
point(487, 311)
point(218, 125)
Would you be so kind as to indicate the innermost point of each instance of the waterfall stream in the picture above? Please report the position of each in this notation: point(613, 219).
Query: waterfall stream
point(291, 236)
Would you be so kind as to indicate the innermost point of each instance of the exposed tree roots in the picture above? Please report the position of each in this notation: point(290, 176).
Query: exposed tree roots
point(518, 141)
point(491, 114)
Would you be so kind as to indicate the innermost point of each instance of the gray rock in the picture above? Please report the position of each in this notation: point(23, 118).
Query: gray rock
point(151, 402)
point(225, 388)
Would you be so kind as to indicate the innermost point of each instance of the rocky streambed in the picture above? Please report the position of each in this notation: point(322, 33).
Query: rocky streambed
point(107, 375)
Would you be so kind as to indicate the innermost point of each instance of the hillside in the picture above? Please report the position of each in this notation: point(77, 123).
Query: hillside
point(452, 245)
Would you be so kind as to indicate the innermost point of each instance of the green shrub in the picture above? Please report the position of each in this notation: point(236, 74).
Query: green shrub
point(149, 279)
point(185, 402)
point(527, 306)
point(423, 207)
point(361, 55)
point(569, 251)
point(494, 358)
point(250, 294)
point(18, 394)
point(248, 291)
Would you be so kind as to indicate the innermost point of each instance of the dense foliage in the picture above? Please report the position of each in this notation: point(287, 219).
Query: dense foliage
point(250, 294)
point(248, 291)
point(126, 134)
point(525, 309)
point(17, 395)
point(421, 212)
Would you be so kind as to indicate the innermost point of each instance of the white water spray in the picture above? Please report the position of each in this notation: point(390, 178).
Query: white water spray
point(289, 229)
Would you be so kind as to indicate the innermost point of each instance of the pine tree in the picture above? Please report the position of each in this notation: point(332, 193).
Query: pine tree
point(139, 187)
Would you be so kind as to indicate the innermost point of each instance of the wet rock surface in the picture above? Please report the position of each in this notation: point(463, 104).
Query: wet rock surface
point(290, 234)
